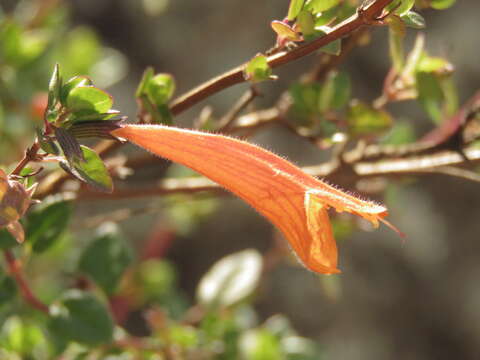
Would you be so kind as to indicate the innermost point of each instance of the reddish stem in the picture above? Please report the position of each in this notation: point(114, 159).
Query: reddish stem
point(14, 267)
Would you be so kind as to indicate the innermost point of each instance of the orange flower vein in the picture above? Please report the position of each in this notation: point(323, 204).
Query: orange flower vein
point(292, 200)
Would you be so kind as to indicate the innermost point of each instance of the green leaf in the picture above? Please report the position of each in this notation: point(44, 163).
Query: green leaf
point(54, 88)
point(305, 98)
point(260, 344)
point(142, 86)
point(231, 279)
point(80, 317)
point(92, 171)
point(185, 337)
point(450, 93)
point(79, 50)
point(46, 143)
point(364, 120)
point(258, 69)
point(46, 224)
point(401, 133)
point(19, 47)
point(81, 117)
point(89, 99)
point(162, 115)
point(306, 21)
point(335, 92)
point(23, 337)
point(157, 278)
point(326, 17)
point(8, 289)
point(106, 259)
point(396, 35)
point(160, 88)
point(300, 348)
point(431, 64)
point(294, 9)
point(316, 6)
point(430, 94)
point(72, 84)
point(402, 6)
point(442, 4)
point(69, 144)
point(413, 20)
point(7, 241)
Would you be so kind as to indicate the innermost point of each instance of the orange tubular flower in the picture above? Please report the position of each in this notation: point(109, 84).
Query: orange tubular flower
point(294, 201)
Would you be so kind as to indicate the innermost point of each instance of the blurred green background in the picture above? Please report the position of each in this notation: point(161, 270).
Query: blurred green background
point(414, 300)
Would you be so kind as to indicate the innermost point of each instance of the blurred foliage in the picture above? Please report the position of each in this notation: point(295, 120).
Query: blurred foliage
point(96, 285)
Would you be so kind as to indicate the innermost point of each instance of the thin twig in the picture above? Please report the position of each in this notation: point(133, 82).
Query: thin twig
point(30, 155)
point(455, 172)
point(226, 121)
point(364, 16)
point(354, 166)
point(14, 268)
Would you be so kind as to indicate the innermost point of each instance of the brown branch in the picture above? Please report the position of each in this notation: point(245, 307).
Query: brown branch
point(227, 120)
point(364, 16)
point(165, 187)
point(30, 155)
point(14, 268)
point(353, 167)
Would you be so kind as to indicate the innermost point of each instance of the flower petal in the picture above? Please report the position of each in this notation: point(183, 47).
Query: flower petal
point(292, 200)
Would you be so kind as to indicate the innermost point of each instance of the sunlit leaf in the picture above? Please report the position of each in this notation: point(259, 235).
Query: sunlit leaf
point(396, 36)
point(89, 99)
point(442, 4)
point(401, 6)
point(157, 278)
point(54, 88)
point(294, 9)
point(231, 279)
point(413, 20)
point(317, 6)
point(258, 69)
point(401, 133)
point(260, 345)
point(364, 120)
point(306, 22)
point(23, 337)
point(92, 170)
point(160, 88)
point(142, 86)
point(71, 84)
point(69, 144)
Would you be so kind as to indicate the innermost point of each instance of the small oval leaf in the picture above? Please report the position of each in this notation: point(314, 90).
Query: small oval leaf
point(93, 171)
point(231, 279)
point(80, 317)
point(105, 259)
point(89, 99)
point(160, 88)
